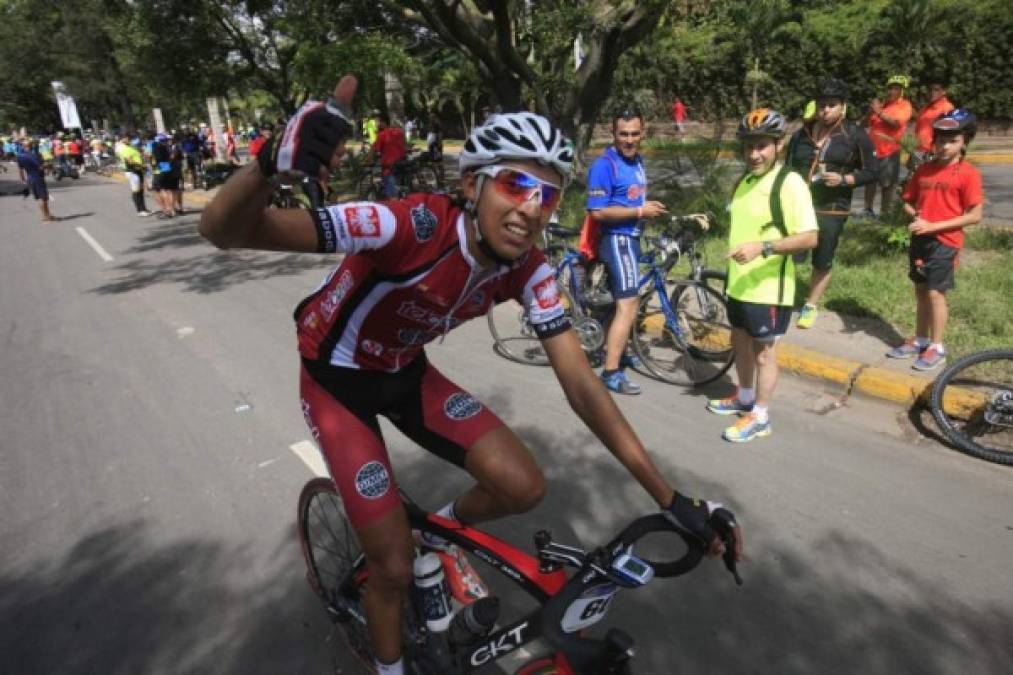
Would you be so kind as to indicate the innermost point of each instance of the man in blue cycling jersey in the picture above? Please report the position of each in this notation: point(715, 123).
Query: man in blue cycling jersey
point(617, 202)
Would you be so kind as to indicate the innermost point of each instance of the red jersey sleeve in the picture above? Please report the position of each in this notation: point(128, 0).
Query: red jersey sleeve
point(911, 191)
point(971, 191)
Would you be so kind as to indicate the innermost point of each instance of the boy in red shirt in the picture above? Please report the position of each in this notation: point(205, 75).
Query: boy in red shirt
point(943, 197)
point(886, 124)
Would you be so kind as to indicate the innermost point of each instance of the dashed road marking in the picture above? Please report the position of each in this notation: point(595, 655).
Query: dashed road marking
point(310, 456)
point(94, 244)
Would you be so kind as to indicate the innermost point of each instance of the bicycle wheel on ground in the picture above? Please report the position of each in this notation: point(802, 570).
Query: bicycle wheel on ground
point(972, 402)
point(690, 346)
point(513, 336)
point(425, 179)
point(332, 552)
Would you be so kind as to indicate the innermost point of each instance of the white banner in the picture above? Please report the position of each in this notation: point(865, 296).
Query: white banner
point(216, 128)
point(159, 122)
point(68, 109)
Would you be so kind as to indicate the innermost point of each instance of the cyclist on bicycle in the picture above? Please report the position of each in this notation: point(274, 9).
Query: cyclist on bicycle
point(413, 269)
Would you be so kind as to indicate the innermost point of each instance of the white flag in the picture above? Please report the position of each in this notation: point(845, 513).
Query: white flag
point(68, 109)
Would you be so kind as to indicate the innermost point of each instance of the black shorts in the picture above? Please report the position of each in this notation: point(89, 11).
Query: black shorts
point(38, 188)
point(167, 181)
point(889, 170)
point(931, 262)
point(761, 322)
point(829, 235)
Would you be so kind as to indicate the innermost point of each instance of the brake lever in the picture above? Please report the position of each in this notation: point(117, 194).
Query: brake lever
point(723, 521)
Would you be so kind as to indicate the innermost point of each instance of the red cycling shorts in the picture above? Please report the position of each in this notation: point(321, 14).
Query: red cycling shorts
point(341, 406)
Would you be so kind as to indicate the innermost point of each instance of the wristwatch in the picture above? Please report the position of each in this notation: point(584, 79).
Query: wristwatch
point(768, 249)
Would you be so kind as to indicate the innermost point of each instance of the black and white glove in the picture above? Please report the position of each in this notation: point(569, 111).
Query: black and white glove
point(308, 141)
point(693, 516)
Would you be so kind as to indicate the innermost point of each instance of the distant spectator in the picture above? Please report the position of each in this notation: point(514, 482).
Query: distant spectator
point(486, 114)
point(434, 138)
point(371, 128)
point(886, 123)
point(409, 130)
point(678, 113)
point(937, 106)
point(165, 181)
point(31, 164)
point(190, 146)
point(266, 132)
point(230, 147)
point(390, 148)
point(133, 169)
point(943, 197)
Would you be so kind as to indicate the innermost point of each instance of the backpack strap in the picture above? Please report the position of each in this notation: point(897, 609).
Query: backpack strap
point(776, 208)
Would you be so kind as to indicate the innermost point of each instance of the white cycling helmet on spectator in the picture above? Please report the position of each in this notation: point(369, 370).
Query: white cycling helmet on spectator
point(519, 136)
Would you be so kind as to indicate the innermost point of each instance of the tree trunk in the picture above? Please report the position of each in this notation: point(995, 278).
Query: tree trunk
point(394, 94)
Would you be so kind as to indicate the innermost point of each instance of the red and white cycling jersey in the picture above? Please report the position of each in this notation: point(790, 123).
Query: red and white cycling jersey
point(407, 278)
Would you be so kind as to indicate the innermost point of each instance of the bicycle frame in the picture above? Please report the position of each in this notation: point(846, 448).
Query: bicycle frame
point(544, 580)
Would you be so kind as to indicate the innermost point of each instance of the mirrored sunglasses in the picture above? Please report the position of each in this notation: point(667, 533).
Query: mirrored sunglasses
point(519, 187)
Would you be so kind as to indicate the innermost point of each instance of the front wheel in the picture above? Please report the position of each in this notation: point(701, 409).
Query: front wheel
point(972, 402)
point(688, 344)
point(333, 560)
point(513, 335)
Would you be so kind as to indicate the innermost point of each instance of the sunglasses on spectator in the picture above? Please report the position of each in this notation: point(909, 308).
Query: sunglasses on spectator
point(519, 187)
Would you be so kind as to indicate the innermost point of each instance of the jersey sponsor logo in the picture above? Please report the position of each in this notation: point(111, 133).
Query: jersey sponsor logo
point(634, 192)
point(311, 321)
point(546, 293)
point(409, 310)
point(424, 223)
point(461, 406)
point(372, 480)
point(363, 221)
point(412, 336)
point(596, 192)
point(334, 297)
point(371, 347)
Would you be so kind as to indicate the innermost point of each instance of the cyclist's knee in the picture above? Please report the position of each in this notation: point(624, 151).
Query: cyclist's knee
point(526, 494)
point(391, 571)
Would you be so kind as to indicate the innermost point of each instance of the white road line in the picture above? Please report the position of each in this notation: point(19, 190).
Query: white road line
point(267, 463)
point(310, 456)
point(94, 244)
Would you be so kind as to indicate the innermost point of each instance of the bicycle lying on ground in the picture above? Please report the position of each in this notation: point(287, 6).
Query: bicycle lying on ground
point(337, 571)
point(413, 174)
point(972, 402)
point(681, 336)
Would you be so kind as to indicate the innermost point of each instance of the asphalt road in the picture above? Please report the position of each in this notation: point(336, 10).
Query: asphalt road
point(148, 408)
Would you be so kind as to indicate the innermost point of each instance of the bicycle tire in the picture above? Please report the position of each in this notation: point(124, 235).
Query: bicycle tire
point(331, 549)
point(700, 352)
point(366, 189)
point(513, 336)
point(972, 388)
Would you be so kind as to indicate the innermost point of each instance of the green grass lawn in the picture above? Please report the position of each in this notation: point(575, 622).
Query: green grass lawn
point(870, 280)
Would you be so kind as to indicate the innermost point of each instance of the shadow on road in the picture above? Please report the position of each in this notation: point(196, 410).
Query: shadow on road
point(122, 601)
point(207, 272)
point(75, 216)
point(858, 318)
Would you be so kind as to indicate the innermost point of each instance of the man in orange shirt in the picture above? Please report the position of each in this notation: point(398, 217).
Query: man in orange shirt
point(886, 124)
point(937, 106)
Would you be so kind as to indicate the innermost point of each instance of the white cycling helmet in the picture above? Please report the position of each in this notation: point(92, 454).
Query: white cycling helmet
point(521, 135)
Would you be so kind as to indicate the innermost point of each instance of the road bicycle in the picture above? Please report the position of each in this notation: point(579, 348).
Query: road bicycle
point(682, 334)
point(972, 402)
point(413, 174)
point(567, 606)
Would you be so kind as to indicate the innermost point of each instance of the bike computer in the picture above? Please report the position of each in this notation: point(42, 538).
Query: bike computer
point(632, 569)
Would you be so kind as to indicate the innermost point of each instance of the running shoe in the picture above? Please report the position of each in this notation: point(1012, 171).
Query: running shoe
point(619, 383)
point(906, 350)
point(728, 406)
point(806, 316)
point(746, 429)
point(929, 359)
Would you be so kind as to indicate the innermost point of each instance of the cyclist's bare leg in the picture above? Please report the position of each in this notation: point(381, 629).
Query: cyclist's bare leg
point(389, 550)
point(509, 480)
point(619, 331)
point(766, 371)
point(745, 364)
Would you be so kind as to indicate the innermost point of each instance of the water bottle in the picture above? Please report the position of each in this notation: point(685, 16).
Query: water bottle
point(433, 592)
point(474, 621)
